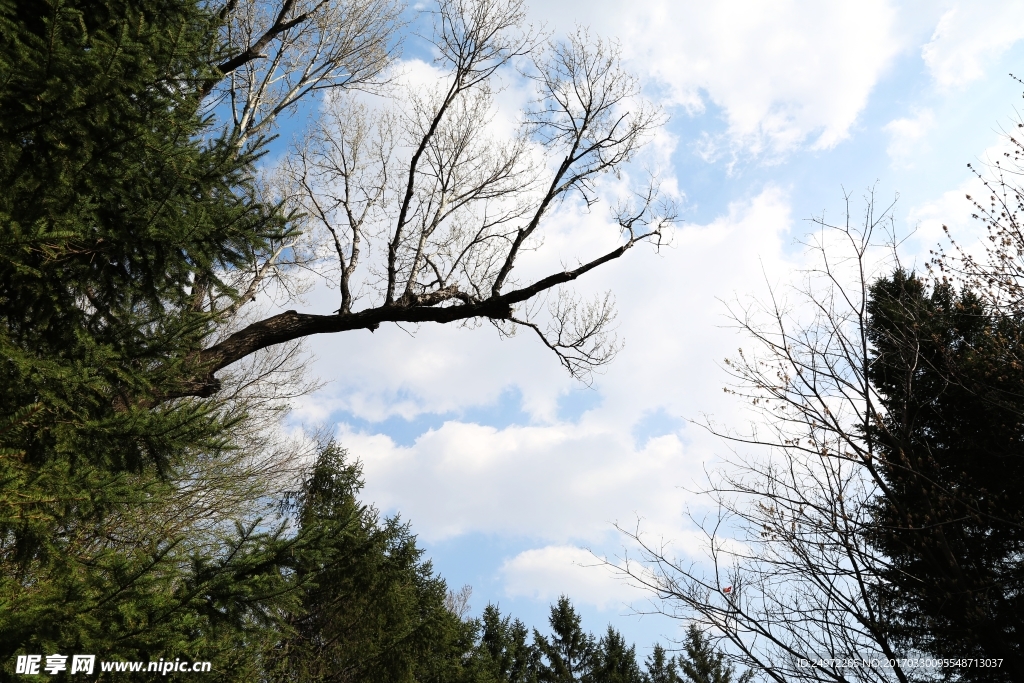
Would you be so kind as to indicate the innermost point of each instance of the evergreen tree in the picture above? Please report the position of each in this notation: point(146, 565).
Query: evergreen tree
point(950, 374)
point(660, 667)
point(503, 650)
point(614, 661)
point(117, 199)
point(703, 663)
point(569, 655)
point(372, 608)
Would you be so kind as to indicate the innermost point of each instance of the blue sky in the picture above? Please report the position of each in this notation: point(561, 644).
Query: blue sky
point(510, 471)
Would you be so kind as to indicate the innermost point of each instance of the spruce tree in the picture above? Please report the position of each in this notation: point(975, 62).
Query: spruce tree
point(118, 197)
point(661, 668)
point(950, 375)
point(615, 661)
point(372, 608)
point(702, 663)
point(506, 655)
point(569, 655)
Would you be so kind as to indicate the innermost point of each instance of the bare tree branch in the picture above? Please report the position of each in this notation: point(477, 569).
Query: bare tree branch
point(415, 207)
point(282, 53)
point(788, 533)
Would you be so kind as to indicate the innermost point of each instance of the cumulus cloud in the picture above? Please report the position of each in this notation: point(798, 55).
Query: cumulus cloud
point(784, 73)
point(790, 75)
point(550, 477)
point(785, 76)
point(560, 479)
point(554, 482)
point(969, 37)
point(554, 570)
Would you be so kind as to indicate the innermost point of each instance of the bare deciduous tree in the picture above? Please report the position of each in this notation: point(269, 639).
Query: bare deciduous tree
point(279, 53)
point(420, 212)
point(790, 576)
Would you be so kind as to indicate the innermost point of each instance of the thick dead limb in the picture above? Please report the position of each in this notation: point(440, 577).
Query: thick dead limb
point(438, 307)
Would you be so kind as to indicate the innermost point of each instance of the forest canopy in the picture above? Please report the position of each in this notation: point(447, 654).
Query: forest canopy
point(153, 506)
point(150, 508)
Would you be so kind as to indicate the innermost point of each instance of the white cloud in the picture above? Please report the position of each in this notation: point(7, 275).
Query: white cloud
point(549, 572)
point(950, 209)
point(784, 73)
point(969, 37)
point(555, 482)
point(906, 134)
point(551, 478)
